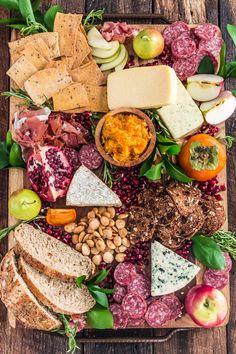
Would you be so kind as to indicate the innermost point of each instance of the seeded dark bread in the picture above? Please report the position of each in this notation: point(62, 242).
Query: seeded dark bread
point(50, 255)
point(214, 215)
point(20, 301)
point(60, 296)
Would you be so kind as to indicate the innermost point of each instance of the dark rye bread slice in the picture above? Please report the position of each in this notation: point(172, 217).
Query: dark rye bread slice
point(60, 296)
point(50, 256)
point(20, 301)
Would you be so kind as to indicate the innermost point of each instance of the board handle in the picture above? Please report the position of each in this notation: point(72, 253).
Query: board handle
point(126, 340)
point(138, 16)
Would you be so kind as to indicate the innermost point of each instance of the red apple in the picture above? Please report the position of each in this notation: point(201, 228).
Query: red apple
point(206, 306)
point(148, 44)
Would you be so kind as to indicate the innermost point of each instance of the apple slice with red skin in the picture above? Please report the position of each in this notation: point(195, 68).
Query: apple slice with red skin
point(206, 305)
point(204, 87)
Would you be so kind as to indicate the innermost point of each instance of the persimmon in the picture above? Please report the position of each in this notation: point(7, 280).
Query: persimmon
point(202, 157)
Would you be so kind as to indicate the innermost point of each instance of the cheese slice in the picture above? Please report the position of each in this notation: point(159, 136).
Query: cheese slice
point(143, 87)
point(170, 272)
point(182, 117)
point(86, 189)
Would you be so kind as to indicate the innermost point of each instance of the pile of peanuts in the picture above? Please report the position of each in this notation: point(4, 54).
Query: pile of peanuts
point(101, 235)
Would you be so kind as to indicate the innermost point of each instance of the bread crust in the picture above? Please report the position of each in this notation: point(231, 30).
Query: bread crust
point(20, 301)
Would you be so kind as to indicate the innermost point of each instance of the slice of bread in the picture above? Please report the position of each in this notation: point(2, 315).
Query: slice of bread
point(60, 296)
point(86, 189)
point(49, 255)
point(20, 301)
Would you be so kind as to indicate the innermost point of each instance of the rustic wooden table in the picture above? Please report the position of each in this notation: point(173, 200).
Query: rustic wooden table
point(218, 340)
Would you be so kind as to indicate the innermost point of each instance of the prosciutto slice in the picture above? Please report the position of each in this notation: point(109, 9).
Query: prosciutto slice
point(117, 31)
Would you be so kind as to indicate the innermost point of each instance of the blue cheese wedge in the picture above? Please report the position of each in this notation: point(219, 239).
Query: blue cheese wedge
point(170, 272)
point(86, 189)
point(182, 117)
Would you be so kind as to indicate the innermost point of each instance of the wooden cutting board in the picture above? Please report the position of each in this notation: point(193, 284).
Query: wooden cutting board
point(18, 180)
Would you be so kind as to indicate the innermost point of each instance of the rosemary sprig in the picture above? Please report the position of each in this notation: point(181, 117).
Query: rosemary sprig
point(228, 140)
point(107, 172)
point(93, 118)
point(70, 332)
point(227, 241)
point(154, 116)
point(92, 16)
point(7, 230)
point(23, 95)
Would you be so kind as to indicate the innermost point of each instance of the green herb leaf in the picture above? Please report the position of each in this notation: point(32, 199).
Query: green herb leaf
point(99, 277)
point(36, 5)
point(9, 140)
point(15, 157)
point(100, 297)
point(154, 116)
point(228, 140)
point(174, 149)
point(206, 250)
point(230, 69)
point(80, 280)
point(226, 240)
point(7, 230)
point(9, 20)
point(4, 155)
point(176, 172)
point(154, 173)
point(222, 60)
point(234, 92)
point(50, 15)
point(206, 66)
point(107, 172)
point(102, 290)
point(92, 16)
point(100, 318)
point(70, 332)
point(232, 32)
point(147, 164)
point(18, 27)
point(26, 10)
point(10, 4)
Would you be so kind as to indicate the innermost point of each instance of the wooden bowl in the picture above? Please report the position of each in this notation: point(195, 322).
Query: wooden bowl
point(145, 154)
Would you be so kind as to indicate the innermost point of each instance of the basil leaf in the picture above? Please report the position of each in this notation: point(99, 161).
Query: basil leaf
point(10, 4)
point(15, 156)
point(232, 32)
point(164, 139)
point(36, 5)
point(222, 60)
point(80, 280)
point(174, 149)
point(100, 298)
point(102, 290)
point(26, 10)
point(234, 92)
point(230, 69)
point(147, 164)
point(99, 318)
point(9, 20)
point(206, 66)
point(4, 155)
point(175, 171)
point(50, 15)
point(9, 140)
point(99, 277)
point(154, 173)
point(39, 17)
point(206, 250)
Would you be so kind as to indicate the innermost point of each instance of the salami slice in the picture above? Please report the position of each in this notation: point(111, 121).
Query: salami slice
point(134, 305)
point(228, 267)
point(120, 318)
point(90, 157)
point(206, 31)
point(157, 314)
point(173, 304)
point(120, 293)
point(218, 281)
point(186, 67)
point(140, 285)
point(212, 47)
point(173, 31)
point(124, 273)
point(136, 322)
point(183, 46)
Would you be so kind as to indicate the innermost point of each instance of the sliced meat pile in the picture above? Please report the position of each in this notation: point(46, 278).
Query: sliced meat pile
point(117, 31)
point(188, 46)
point(133, 305)
point(218, 278)
point(179, 213)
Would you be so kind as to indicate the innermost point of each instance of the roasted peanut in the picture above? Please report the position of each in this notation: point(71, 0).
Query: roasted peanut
point(89, 230)
point(78, 246)
point(122, 232)
point(97, 259)
point(83, 223)
point(81, 237)
point(120, 257)
point(107, 249)
point(75, 239)
point(85, 249)
point(111, 211)
point(70, 227)
point(101, 210)
point(120, 224)
point(86, 237)
point(111, 223)
point(79, 229)
point(110, 244)
point(108, 257)
point(94, 250)
point(107, 232)
point(117, 240)
point(122, 249)
point(108, 215)
point(100, 230)
point(90, 243)
point(95, 210)
point(125, 242)
point(100, 245)
point(105, 221)
point(94, 224)
point(91, 214)
point(123, 216)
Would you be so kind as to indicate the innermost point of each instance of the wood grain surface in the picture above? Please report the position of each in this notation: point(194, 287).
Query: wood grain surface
point(197, 341)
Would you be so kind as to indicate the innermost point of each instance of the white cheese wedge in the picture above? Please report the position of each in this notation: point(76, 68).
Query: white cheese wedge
point(183, 117)
point(86, 189)
point(143, 87)
point(170, 272)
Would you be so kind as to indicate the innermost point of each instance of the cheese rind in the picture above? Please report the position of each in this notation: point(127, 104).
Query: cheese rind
point(183, 117)
point(170, 272)
point(143, 87)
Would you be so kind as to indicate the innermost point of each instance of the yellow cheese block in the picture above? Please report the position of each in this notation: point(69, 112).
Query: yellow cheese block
point(183, 117)
point(143, 87)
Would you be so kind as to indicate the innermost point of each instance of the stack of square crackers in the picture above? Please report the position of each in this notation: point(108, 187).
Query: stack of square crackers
point(59, 66)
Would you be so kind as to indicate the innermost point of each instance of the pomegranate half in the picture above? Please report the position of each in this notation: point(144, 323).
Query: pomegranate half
point(49, 172)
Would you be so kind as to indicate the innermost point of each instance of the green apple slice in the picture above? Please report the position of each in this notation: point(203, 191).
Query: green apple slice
point(96, 40)
point(103, 53)
point(117, 61)
point(108, 60)
point(123, 63)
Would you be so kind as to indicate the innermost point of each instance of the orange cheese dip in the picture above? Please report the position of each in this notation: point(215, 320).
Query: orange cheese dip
point(125, 136)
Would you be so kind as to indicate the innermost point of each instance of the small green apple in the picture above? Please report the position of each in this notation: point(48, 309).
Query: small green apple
point(24, 204)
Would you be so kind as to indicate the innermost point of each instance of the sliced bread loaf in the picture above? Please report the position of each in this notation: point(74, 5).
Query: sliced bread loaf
point(60, 296)
point(50, 256)
point(20, 301)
